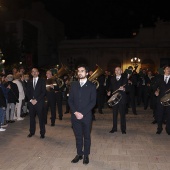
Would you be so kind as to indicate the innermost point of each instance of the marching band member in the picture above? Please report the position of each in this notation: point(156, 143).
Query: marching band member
point(163, 86)
point(51, 87)
point(118, 82)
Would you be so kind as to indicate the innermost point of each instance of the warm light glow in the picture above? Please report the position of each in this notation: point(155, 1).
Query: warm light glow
point(20, 62)
point(3, 61)
point(135, 61)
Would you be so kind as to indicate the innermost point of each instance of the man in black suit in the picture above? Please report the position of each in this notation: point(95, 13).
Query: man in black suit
point(132, 81)
point(118, 83)
point(35, 92)
point(163, 86)
point(82, 99)
point(51, 88)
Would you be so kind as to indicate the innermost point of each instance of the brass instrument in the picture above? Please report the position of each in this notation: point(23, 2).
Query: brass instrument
point(62, 71)
point(50, 82)
point(95, 75)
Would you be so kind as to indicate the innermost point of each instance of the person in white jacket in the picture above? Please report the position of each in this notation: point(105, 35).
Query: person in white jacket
point(16, 80)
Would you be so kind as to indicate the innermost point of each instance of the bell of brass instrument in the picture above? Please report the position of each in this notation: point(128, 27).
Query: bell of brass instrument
point(95, 75)
point(62, 71)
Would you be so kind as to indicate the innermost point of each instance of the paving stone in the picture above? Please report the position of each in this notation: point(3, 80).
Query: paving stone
point(139, 149)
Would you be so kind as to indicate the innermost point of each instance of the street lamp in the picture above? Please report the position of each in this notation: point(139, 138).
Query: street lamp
point(135, 61)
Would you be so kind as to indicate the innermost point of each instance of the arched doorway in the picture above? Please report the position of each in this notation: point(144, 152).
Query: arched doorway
point(112, 64)
point(148, 64)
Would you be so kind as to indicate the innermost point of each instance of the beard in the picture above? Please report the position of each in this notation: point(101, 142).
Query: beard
point(81, 77)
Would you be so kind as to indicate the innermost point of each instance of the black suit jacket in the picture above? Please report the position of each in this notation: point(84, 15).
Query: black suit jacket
point(163, 87)
point(38, 93)
point(82, 99)
point(115, 85)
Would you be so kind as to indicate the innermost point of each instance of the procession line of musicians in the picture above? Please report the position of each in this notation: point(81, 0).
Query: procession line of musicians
point(130, 85)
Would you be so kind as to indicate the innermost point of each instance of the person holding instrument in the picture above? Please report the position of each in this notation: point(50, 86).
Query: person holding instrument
point(51, 88)
point(118, 84)
point(162, 88)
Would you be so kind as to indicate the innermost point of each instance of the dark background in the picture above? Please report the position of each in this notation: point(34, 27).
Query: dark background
point(106, 18)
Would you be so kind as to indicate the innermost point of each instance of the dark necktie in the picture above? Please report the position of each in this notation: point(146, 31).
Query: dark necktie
point(166, 80)
point(34, 83)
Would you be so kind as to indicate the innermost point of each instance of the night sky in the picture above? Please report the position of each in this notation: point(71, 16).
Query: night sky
point(106, 18)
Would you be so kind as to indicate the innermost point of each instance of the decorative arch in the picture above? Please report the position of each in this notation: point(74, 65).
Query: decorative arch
point(112, 64)
point(148, 64)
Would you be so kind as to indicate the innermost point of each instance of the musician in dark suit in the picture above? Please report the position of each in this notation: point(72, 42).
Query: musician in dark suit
point(163, 85)
point(132, 81)
point(35, 92)
point(51, 88)
point(118, 83)
point(82, 99)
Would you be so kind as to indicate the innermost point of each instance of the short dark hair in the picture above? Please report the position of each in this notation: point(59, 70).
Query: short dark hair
point(84, 66)
point(167, 65)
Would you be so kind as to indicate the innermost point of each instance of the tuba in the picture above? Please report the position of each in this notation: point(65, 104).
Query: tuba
point(94, 76)
point(62, 71)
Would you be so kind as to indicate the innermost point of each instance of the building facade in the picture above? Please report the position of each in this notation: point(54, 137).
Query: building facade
point(151, 45)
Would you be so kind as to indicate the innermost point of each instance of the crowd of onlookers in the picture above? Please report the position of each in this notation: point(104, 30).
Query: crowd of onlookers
point(13, 101)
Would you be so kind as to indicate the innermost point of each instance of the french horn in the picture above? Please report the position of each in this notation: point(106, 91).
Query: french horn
point(95, 75)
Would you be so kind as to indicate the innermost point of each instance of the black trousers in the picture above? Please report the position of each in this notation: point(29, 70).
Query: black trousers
point(82, 130)
point(131, 101)
point(33, 111)
point(59, 99)
point(51, 103)
point(162, 115)
point(120, 107)
point(100, 101)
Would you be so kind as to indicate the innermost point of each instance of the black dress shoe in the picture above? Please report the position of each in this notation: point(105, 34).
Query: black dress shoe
point(154, 122)
point(30, 135)
point(76, 159)
point(52, 124)
point(101, 112)
point(159, 132)
point(135, 113)
point(86, 160)
point(42, 136)
point(112, 131)
point(60, 118)
point(12, 121)
point(123, 132)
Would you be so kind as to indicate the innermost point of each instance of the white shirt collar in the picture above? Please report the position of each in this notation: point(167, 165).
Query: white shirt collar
point(83, 81)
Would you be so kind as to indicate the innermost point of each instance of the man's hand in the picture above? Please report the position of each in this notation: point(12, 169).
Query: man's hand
point(122, 88)
point(157, 92)
point(78, 115)
point(52, 86)
point(34, 101)
point(9, 87)
point(108, 93)
point(129, 82)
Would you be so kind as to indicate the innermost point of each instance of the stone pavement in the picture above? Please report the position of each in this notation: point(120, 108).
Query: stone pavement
point(139, 149)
